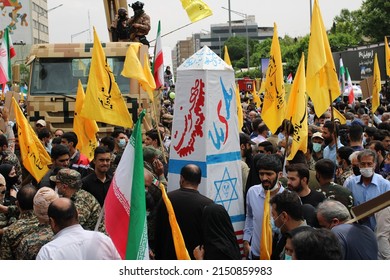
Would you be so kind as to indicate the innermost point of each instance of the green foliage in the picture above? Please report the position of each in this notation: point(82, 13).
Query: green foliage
point(350, 29)
point(375, 19)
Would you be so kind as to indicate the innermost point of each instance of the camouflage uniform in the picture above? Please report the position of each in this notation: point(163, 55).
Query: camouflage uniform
point(32, 243)
point(88, 209)
point(87, 206)
point(337, 192)
point(141, 28)
point(15, 233)
point(346, 174)
point(10, 158)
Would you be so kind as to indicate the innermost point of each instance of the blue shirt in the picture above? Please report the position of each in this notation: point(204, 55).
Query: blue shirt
point(330, 152)
point(254, 216)
point(362, 193)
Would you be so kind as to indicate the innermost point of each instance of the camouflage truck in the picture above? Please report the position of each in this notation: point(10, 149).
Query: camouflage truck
point(54, 73)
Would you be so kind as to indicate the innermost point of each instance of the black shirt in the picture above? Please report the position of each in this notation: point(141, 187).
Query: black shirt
point(96, 187)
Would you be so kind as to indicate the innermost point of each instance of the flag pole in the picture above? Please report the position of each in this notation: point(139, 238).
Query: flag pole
point(158, 132)
point(333, 122)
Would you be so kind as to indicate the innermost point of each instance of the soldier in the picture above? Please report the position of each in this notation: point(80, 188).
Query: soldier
point(42, 234)
point(120, 28)
point(68, 184)
point(139, 24)
point(22, 227)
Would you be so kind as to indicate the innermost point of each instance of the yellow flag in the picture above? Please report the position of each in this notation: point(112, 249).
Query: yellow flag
point(256, 97)
point(338, 115)
point(387, 54)
point(376, 85)
point(240, 115)
point(178, 240)
point(132, 68)
point(274, 104)
point(103, 100)
point(150, 84)
point(297, 111)
point(226, 57)
point(196, 9)
point(266, 232)
point(85, 129)
point(321, 76)
point(34, 157)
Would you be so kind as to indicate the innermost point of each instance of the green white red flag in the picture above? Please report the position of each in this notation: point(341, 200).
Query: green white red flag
point(351, 95)
point(125, 205)
point(158, 61)
point(7, 51)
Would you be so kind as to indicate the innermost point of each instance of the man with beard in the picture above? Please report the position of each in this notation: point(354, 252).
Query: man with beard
point(298, 177)
point(270, 170)
point(329, 133)
point(246, 156)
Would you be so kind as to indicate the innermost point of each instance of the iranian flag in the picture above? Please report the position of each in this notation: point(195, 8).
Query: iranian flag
point(351, 95)
point(125, 206)
point(7, 51)
point(342, 76)
point(158, 63)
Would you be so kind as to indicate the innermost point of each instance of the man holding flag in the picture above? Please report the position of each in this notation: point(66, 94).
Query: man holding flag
point(257, 229)
point(188, 205)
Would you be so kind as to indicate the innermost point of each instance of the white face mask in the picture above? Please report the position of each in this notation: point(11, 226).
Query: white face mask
point(367, 172)
point(122, 143)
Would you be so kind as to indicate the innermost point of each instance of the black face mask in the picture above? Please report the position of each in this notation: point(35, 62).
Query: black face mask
point(356, 170)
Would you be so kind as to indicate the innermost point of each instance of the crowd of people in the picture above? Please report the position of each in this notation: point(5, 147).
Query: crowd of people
point(311, 195)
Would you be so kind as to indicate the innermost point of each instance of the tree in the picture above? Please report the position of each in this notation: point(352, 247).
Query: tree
point(375, 19)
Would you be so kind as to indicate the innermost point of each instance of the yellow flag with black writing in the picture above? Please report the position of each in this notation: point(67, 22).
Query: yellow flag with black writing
point(274, 104)
point(387, 54)
point(266, 232)
point(177, 236)
point(103, 99)
point(84, 128)
point(240, 116)
point(34, 157)
point(322, 83)
point(376, 85)
point(296, 111)
point(196, 9)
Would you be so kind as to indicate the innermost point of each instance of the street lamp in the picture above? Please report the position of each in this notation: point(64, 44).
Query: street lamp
point(245, 16)
point(39, 16)
point(77, 34)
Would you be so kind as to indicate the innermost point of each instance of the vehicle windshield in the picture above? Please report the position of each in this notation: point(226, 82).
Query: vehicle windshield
point(51, 76)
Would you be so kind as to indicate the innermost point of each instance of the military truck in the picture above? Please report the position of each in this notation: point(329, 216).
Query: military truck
point(54, 74)
point(56, 68)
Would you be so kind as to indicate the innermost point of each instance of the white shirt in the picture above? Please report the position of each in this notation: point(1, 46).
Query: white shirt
point(383, 233)
point(75, 243)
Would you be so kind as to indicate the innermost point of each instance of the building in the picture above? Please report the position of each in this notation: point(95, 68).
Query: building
point(215, 39)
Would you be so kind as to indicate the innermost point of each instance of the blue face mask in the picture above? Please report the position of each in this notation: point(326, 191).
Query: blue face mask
point(122, 143)
point(317, 147)
point(287, 257)
point(275, 229)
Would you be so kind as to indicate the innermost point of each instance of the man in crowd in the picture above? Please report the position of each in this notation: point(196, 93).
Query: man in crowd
point(358, 241)
point(270, 170)
point(188, 206)
point(71, 241)
point(68, 184)
point(98, 182)
point(368, 185)
point(329, 133)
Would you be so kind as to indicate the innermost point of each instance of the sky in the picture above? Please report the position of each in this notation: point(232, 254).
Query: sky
point(291, 16)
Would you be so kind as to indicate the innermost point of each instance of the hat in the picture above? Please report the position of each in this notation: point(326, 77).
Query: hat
point(69, 177)
point(41, 122)
point(150, 152)
point(317, 134)
point(245, 139)
point(42, 200)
